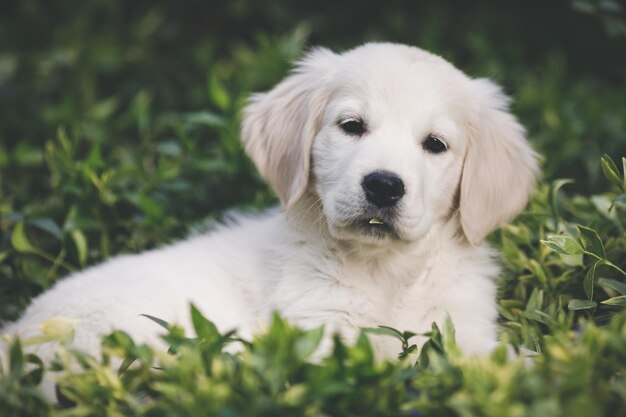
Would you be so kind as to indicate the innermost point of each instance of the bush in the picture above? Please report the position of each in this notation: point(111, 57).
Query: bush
point(580, 373)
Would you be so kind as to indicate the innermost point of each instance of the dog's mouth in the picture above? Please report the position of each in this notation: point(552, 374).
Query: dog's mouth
point(367, 229)
point(375, 226)
point(367, 224)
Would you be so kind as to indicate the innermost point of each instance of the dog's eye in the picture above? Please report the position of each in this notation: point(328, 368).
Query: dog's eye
point(354, 127)
point(434, 145)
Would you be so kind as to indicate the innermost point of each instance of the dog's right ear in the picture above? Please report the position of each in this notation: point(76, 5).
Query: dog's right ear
point(279, 126)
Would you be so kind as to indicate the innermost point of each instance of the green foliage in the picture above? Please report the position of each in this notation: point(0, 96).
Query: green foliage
point(120, 131)
point(19, 376)
point(579, 374)
point(564, 255)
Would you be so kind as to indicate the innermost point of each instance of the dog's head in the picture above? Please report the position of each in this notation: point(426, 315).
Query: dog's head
point(393, 140)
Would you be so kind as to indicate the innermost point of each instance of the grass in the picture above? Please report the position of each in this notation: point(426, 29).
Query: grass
point(120, 137)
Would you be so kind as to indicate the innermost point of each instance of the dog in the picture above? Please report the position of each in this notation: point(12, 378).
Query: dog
point(391, 166)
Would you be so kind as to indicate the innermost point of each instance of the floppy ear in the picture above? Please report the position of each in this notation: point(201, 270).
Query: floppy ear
point(279, 126)
point(500, 167)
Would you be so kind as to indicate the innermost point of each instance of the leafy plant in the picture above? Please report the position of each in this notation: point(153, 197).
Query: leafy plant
point(579, 374)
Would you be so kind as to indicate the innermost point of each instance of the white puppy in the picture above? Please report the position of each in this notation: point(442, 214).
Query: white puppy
point(391, 166)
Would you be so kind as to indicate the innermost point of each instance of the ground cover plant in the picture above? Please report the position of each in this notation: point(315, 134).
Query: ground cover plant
point(119, 132)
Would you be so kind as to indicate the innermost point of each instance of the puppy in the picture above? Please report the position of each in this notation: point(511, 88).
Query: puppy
point(391, 167)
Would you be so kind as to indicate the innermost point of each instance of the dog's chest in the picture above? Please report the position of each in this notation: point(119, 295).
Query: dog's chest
point(346, 296)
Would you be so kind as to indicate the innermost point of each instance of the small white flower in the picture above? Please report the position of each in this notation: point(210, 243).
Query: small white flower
point(58, 327)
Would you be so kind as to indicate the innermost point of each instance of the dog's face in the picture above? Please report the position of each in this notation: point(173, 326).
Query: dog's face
point(393, 140)
point(388, 156)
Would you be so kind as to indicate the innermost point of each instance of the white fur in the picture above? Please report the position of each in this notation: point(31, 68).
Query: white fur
point(309, 261)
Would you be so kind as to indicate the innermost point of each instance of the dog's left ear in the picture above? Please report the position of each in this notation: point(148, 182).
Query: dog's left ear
point(279, 126)
point(500, 167)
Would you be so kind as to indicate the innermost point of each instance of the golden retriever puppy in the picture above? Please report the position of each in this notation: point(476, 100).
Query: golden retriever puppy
point(391, 166)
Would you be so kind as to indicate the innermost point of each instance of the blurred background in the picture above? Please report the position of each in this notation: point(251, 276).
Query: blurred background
point(119, 120)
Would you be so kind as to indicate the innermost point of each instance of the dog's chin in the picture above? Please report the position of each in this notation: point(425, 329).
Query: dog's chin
point(366, 230)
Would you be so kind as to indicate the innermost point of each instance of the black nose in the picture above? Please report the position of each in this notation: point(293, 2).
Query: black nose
point(383, 188)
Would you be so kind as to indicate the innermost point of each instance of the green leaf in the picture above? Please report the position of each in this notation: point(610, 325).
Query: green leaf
point(591, 241)
point(158, 321)
point(538, 316)
point(16, 360)
point(577, 304)
point(35, 370)
point(48, 225)
point(537, 270)
point(556, 248)
point(204, 327)
point(624, 172)
point(142, 102)
point(103, 109)
point(615, 285)
point(572, 260)
point(125, 365)
point(308, 343)
point(554, 191)
point(362, 351)
point(385, 331)
point(151, 208)
point(218, 94)
point(620, 301)
point(205, 118)
point(432, 346)
point(535, 301)
point(563, 244)
point(589, 280)
point(64, 140)
point(20, 241)
point(26, 155)
point(407, 335)
point(604, 205)
point(80, 242)
point(520, 233)
point(611, 172)
point(169, 148)
point(449, 339)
